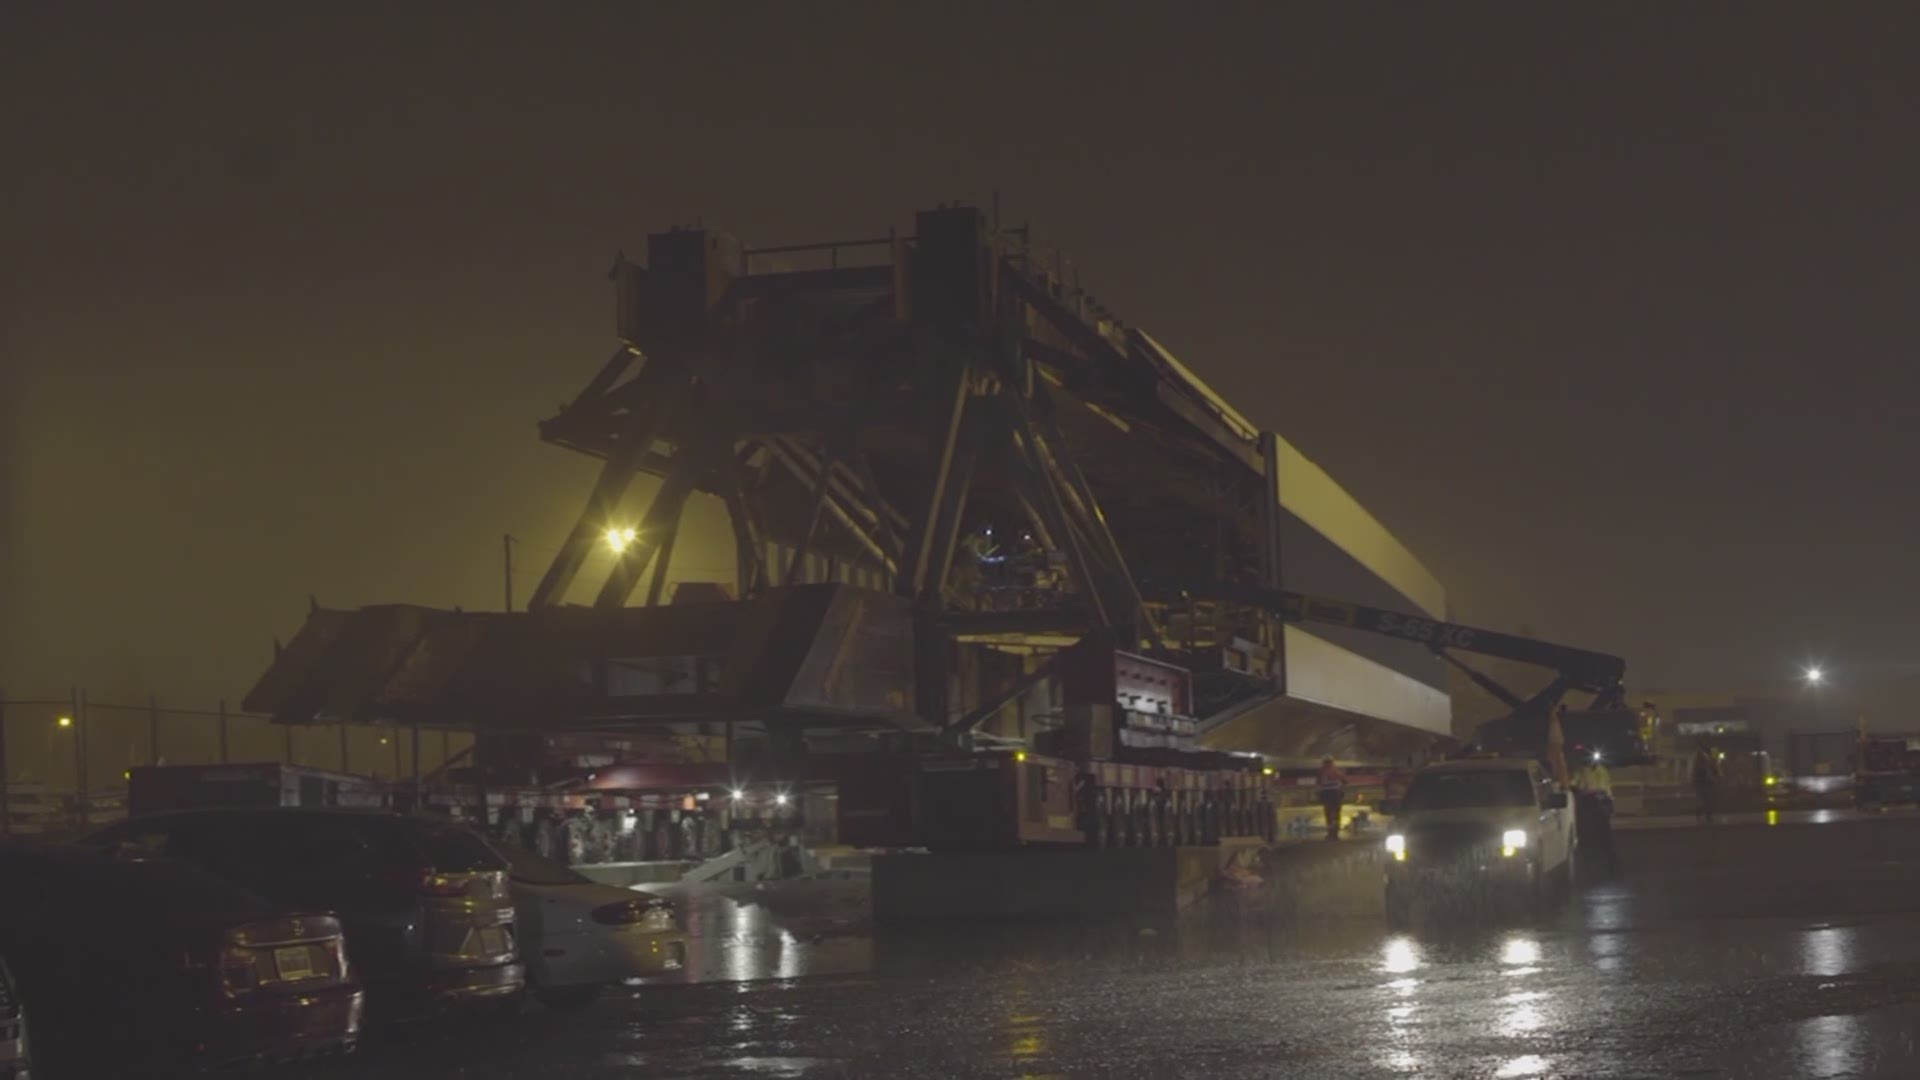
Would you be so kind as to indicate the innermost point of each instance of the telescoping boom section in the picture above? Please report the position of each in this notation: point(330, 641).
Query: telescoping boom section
point(1606, 727)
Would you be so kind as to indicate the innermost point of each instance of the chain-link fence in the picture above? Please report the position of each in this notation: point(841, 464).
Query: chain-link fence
point(67, 760)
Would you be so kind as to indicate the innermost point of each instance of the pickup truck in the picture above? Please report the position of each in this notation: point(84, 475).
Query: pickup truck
point(1480, 830)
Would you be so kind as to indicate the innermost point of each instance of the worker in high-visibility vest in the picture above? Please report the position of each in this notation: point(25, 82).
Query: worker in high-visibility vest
point(1593, 790)
point(1331, 787)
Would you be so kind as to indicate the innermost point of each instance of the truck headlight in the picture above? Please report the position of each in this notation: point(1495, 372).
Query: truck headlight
point(1397, 846)
point(1511, 841)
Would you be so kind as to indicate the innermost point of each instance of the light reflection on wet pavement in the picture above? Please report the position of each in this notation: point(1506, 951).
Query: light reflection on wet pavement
point(1728, 952)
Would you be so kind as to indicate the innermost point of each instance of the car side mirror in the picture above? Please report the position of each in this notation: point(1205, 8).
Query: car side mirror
point(1557, 800)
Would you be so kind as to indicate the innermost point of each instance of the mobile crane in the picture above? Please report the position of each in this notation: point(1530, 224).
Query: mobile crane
point(1607, 727)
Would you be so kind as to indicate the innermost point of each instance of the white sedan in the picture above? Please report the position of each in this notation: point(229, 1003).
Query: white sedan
point(577, 936)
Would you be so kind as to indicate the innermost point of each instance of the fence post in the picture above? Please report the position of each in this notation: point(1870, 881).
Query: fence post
point(223, 731)
point(153, 729)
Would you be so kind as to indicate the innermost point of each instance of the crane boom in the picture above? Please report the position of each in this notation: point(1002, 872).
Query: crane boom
point(1606, 726)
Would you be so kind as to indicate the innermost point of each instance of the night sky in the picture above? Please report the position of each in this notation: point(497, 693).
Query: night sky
point(1610, 318)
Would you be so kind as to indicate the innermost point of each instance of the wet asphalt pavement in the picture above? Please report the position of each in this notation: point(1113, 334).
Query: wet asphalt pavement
point(1741, 950)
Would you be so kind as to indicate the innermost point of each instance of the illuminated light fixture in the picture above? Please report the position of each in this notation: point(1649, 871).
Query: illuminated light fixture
point(620, 539)
point(1397, 846)
point(1266, 770)
point(1596, 757)
point(1815, 676)
point(1019, 755)
point(738, 794)
point(65, 721)
point(1512, 841)
point(780, 799)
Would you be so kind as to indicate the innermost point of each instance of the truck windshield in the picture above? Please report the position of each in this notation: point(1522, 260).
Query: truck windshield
point(1467, 790)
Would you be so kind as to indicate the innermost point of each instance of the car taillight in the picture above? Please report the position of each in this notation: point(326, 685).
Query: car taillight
point(239, 970)
point(337, 959)
point(628, 912)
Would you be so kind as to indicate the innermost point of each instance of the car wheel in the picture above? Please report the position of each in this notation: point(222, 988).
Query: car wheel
point(568, 997)
point(1541, 892)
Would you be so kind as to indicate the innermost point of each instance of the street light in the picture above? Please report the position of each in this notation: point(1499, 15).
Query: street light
point(1815, 676)
point(64, 721)
point(619, 539)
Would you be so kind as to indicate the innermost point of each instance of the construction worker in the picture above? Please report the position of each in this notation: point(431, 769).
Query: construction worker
point(1593, 788)
point(1706, 778)
point(1332, 790)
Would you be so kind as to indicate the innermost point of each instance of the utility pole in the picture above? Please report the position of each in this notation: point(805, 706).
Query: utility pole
point(506, 551)
point(153, 729)
point(223, 731)
point(6, 804)
point(80, 756)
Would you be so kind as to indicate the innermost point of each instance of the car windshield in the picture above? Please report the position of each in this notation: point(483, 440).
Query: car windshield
point(1468, 790)
point(530, 869)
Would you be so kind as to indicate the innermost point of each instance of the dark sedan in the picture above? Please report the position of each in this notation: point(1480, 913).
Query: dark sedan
point(155, 968)
point(429, 920)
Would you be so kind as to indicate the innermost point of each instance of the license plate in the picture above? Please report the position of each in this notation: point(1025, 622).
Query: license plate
point(293, 962)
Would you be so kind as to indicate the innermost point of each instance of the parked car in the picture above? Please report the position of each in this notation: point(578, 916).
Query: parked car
point(1491, 831)
point(580, 936)
point(15, 1064)
point(429, 920)
point(154, 968)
